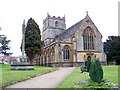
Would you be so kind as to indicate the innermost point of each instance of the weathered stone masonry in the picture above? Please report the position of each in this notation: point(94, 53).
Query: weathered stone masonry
point(72, 46)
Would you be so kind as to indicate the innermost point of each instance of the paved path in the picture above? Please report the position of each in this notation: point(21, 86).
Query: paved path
point(49, 80)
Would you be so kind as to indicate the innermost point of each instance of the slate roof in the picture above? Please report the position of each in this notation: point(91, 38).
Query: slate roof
point(70, 31)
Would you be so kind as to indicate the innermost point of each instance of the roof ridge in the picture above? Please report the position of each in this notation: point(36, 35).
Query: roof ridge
point(69, 30)
point(70, 27)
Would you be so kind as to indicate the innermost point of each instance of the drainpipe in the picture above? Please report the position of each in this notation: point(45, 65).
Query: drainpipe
point(76, 53)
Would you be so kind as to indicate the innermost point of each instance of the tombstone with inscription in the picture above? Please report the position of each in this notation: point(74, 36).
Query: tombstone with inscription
point(23, 64)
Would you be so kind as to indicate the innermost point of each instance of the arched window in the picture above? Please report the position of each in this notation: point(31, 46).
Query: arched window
point(88, 39)
point(66, 52)
point(56, 24)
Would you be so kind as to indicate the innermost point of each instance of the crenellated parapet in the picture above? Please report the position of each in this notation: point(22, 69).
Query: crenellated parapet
point(52, 26)
point(53, 17)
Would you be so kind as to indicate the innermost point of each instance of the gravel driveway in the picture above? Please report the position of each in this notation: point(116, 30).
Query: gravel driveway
point(49, 80)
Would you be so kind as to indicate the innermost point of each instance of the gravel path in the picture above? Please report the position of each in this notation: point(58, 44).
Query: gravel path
point(49, 80)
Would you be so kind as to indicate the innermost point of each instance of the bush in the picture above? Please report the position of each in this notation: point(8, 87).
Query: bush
point(83, 69)
point(88, 64)
point(96, 71)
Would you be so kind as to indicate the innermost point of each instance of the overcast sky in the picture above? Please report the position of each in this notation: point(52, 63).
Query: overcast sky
point(104, 14)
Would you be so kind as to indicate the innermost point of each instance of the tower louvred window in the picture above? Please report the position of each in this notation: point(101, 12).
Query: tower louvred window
point(56, 24)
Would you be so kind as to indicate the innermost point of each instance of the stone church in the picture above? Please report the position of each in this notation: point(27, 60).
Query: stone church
point(72, 46)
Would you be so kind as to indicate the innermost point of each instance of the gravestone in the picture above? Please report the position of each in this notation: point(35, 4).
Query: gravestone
point(23, 64)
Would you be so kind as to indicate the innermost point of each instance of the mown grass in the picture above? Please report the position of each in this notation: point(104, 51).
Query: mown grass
point(110, 73)
point(12, 76)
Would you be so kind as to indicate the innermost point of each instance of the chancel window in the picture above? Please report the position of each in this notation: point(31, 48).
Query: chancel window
point(66, 52)
point(88, 39)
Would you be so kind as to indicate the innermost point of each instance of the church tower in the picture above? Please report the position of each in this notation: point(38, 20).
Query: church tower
point(52, 26)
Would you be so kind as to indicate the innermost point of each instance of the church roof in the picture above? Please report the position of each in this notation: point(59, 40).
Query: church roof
point(70, 31)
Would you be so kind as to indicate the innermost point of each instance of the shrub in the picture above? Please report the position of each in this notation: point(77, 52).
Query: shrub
point(83, 69)
point(96, 71)
point(88, 64)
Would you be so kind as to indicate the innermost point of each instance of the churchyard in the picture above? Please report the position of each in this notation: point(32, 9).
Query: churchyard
point(9, 76)
point(82, 80)
point(72, 81)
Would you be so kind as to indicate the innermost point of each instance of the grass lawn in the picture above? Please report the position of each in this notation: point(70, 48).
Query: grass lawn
point(110, 73)
point(12, 76)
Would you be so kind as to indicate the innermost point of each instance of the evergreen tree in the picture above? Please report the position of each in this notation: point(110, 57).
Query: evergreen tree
point(88, 64)
point(112, 49)
point(96, 71)
point(33, 42)
point(4, 48)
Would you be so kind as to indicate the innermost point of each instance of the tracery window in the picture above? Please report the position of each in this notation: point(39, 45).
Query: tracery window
point(88, 39)
point(66, 52)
